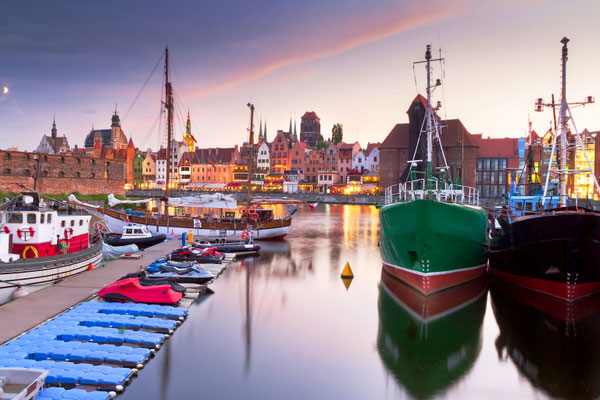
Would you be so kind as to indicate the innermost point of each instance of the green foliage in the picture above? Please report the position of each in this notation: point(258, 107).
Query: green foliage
point(321, 145)
point(337, 134)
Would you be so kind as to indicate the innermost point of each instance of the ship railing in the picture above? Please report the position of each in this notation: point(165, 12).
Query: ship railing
point(437, 190)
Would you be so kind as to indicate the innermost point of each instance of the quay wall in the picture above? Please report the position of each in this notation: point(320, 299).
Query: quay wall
point(61, 174)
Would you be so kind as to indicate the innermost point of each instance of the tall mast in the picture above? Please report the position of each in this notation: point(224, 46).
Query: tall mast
point(251, 154)
point(563, 125)
point(428, 117)
point(169, 106)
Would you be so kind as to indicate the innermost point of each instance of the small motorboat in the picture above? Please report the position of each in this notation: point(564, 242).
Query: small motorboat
point(182, 274)
point(131, 290)
point(239, 248)
point(135, 234)
point(188, 253)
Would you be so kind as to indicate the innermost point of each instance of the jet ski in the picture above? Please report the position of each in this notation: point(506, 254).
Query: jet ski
point(131, 290)
point(135, 234)
point(188, 253)
point(238, 248)
point(189, 274)
point(146, 280)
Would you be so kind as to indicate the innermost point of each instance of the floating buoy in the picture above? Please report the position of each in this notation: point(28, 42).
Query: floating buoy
point(347, 272)
point(90, 267)
point(19, 292)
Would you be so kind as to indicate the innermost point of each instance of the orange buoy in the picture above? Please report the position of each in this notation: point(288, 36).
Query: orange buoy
point(90, 267)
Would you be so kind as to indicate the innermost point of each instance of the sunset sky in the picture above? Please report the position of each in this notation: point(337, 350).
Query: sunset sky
point(349, 61)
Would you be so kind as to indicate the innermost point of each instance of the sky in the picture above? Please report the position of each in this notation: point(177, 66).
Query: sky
point(350, 61)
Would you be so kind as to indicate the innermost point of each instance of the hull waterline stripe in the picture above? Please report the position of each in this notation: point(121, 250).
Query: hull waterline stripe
point(412, 271)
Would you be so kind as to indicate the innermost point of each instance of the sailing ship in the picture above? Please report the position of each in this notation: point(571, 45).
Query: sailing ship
point(41, 243)
point(433, 234)
point(427, 343)
point(252, 221)
point(553, 250)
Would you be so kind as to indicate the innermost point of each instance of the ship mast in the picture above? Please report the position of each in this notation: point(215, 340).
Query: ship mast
point(564, 117)
point(251, 152)
point(169, 107)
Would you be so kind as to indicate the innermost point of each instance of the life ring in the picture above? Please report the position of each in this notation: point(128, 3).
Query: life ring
point(243, 210)
point(254, 216)
point(252, 210)
point(68, 233)
point(26, 249)
point(244, 235)
point(25, 232)
point(63, 247)
point(6, 230)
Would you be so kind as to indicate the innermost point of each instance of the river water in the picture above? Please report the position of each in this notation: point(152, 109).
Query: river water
point(283, 325)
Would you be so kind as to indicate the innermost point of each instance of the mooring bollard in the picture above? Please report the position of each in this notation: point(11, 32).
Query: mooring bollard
point(190, 236)
point(183, 239)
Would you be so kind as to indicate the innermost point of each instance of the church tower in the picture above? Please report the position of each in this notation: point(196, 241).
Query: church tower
point(54, 131)
point(115, 131)
point(188, 138)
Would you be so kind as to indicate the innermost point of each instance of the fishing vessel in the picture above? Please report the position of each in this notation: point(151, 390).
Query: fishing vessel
point(554, 251)
point(433, 233)
point(223, 217)
point(427, 343)
point(42, 242)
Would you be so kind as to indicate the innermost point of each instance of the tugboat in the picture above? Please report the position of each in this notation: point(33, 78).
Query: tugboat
point(135, 234)
point(554, 251)
point(40, 245)
point(433, 234)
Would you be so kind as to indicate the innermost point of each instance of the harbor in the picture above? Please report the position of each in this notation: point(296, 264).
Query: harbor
point(322, 200)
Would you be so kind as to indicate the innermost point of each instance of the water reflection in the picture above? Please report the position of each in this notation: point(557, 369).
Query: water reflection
point(552, 343)
point(428, 343)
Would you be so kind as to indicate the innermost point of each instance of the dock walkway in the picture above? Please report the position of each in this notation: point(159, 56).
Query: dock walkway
point(28, 312)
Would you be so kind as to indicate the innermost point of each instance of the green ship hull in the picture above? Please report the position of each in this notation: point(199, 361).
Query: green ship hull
point(433, 245)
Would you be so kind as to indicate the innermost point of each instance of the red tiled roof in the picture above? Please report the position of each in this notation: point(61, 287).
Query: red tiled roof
point(310, 114)
point(371, 147)
point(497, 147)
point(418, 99)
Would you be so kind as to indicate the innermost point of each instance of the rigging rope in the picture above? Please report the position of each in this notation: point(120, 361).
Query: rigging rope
point(142, 89)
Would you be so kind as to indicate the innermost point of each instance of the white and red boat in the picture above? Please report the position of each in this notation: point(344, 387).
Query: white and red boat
point(41, 243)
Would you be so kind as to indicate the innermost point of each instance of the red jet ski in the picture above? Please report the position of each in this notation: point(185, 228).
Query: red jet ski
point(131, 290)
point(204, 256)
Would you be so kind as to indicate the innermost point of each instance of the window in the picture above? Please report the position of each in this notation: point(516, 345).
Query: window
point(6, 171)
point(16, 218)
point(80, 222)
point(495, 164)
point(139, 231)
point(61, 174)
point(93, 175)
point(7, 156)
point(42, 216)
point(502, 178)
point(375, 159)
point(486, 177)
point(128, 231)
point(31, 218)
point(486, 164)
point(479, 177)
point(494, 177)
point(62, 223)
point(528, 206)
point(62, 160)
point(49, 219)
point(78, 174)
point(72, 222)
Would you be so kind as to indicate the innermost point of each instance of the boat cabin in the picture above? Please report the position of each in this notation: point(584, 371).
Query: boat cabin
point(523, 205)
point(135, 231)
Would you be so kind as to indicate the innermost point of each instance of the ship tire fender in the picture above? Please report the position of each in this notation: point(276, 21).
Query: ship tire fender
point(244, 235)
point(252, 210)
point(26, 249)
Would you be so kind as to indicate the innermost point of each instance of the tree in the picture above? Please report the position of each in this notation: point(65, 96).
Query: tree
point(321, 145)
point(337, 134)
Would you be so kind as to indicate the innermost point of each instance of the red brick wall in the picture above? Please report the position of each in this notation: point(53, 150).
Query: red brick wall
point(61, 174)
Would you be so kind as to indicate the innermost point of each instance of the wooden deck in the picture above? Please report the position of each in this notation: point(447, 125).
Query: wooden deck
point(26, 313)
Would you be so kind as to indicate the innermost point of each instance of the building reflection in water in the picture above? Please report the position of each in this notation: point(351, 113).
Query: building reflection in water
point(428, 343)
point(553, 344)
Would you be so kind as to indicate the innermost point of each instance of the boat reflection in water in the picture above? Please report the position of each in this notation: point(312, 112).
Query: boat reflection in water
point(553, 343)
point(428, 343)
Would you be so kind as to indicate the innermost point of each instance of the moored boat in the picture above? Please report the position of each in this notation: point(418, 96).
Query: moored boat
point(42, 243)
point(552, 250)
point(135, 234)
point(433, 234)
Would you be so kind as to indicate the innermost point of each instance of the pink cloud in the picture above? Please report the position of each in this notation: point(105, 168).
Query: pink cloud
point(338, 37)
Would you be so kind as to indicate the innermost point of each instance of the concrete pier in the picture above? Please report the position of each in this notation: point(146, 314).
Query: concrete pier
point(27, 312)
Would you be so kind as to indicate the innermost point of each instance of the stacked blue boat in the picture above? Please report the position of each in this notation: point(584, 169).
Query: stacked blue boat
point(98, 346)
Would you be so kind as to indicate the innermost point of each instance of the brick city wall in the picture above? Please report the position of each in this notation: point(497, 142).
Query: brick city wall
point(61, 174)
